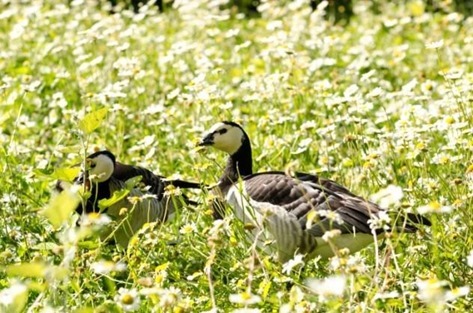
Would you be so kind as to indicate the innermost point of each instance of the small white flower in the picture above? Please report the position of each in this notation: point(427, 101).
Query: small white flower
point(431, 290)
point(244, 298)
point(188, 228)
point(454, 74)
point(289, 265)
point(429, 184)
point(6, 198)
point(95, 219)
point(376, 92)
point(434, 44)
point(104, 267)
point(246, 310)
point(331, 215)
point(147, 141)
point(154, 108)
point(151, 291)
point(173, 93)
point(409, 87)
point(329, 287)
point(169, 297)
point(308, 125)
point(149, 196)
point(172, 191)
point(469, 259)
point(194, 276)
point(388, 23)
point(388, 197)
point(351, 90)
point(330, 234)
point(128, 299)
point(303, 145)
point(386, 295)
point(381, 221)
point(127, 67)
point(58, 100)
point(305, 142)
point(456, 293)
point(443, 158)
point(434, 207)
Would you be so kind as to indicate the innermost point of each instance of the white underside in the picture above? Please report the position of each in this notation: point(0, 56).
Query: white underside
point(272, 222)
point(353, 242)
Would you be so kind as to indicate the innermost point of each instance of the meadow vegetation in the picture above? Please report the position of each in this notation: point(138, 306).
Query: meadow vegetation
point(382, 105)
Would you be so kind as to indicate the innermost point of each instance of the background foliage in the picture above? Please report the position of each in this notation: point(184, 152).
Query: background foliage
point(385, 100)
point(337, 10)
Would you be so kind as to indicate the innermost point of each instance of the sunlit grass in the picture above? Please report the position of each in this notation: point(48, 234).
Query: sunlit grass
point(383, 101)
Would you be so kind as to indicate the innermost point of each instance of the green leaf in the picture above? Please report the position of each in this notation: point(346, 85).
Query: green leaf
point(37, 286)
point(60, 207)
point(45, 246)
point(117, 196)
point(65, 173)
point(57, 273)
point(132, 182)
point(109, 285)
point(89, 245)
point(92, 120)
point(85, 310)
point(35, 269)
point(265, 285)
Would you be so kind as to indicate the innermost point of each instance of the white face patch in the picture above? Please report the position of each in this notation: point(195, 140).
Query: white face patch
point(227, 138)
point(101, 168)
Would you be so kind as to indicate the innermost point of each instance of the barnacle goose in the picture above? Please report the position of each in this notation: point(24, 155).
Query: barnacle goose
point(294, 210)
point(104, 176)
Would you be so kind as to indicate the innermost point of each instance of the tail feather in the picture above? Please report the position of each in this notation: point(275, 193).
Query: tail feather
point(418, 219)
point(411, 221)
point(184, 184)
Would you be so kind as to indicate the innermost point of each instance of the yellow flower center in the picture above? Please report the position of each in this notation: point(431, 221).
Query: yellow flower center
point(94, 216)
point(435, 205)
point(449, 120)
point(127, 299)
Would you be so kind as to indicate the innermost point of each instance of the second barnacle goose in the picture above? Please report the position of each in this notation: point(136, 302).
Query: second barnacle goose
point(294, 211)
point(104, 176)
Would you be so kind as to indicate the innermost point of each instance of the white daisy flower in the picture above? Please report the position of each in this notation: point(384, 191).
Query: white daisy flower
point(289, 265)
point(104, 267)
point(329, 287)
point(245, 298)
point(128, 299)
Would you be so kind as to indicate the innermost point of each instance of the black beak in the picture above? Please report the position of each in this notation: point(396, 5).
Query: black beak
point(82, 177)
point(208, 140)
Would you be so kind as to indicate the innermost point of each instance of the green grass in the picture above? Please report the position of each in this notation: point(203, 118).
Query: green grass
point(369, 105)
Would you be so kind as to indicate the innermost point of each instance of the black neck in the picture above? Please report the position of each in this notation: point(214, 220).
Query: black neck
point(239, 164)
point(97, 192)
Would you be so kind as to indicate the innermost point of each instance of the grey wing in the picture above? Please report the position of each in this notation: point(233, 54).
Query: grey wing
point(302, 194)
point(155, 182)
point(324, 182)
point(354, 214)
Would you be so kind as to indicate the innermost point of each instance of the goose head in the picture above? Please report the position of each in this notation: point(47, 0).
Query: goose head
point(226, 136)
point(100, 166)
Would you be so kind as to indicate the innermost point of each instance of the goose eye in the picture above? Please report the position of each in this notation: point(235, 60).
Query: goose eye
point(222, 131)
point(93, 165)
